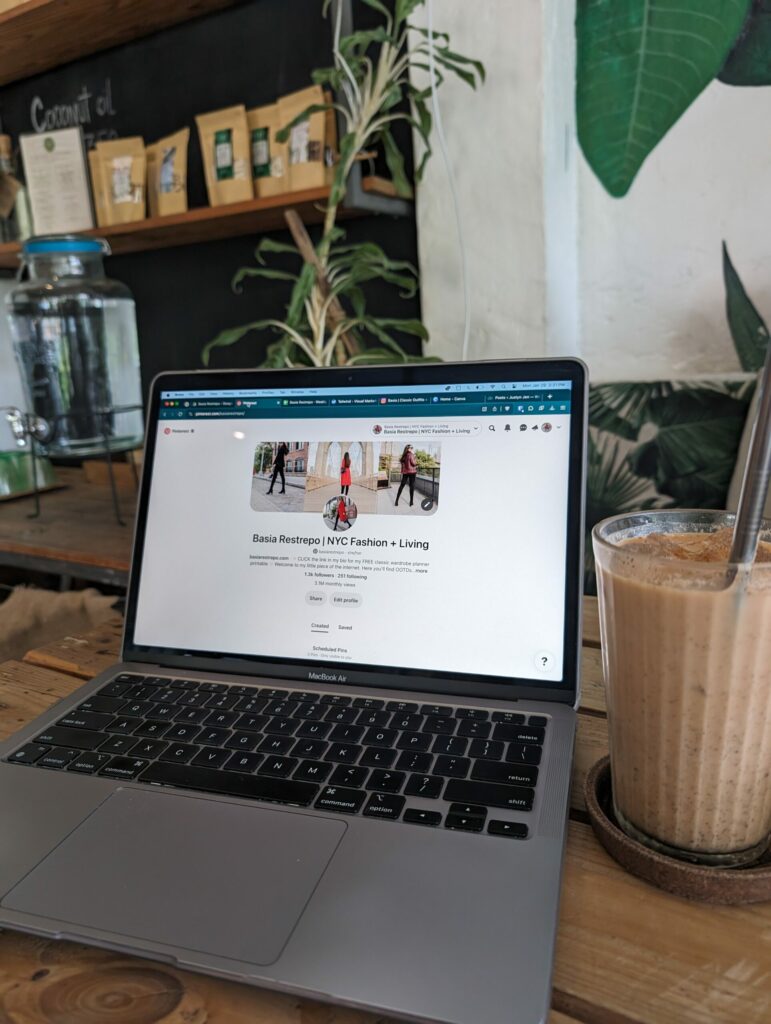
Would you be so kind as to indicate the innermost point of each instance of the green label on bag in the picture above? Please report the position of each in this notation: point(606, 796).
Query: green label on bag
point(260, 153)
point(223, 153)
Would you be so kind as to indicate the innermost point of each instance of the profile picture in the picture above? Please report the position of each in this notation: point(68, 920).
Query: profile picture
point(377, 429)
point(546, 427)
point(340, 513)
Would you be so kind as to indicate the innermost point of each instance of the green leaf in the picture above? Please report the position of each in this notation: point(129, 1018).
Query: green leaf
point(749, 332)
point(749, 63)
point(449, 59)
point(295, 311)
point(404, 9)
point(278, 352)
point(315, 108)
point(415, 327)
point(395, 160)
point(373, 356)
point(640, 65)
point(275, 275)
point(230, 336)
point(621, 408)
point(467, 76)
point(378, 5)
point(268, 244)
point(611, 486)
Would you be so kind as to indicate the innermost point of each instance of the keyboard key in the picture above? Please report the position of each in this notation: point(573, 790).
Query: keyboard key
point(166, 695)
point(314, 730)
point(370, 718)
point(272, 694)
point(370, 703)
point(440, 725)
point(346, 753)
point(105, 705)
point(349, 775)
point(492, 750)
point(222, 701)
point(428, 786)
point(250, 705)
point(278, 766)
point(341, 799)
point(58, 736)
point(463, 823)
point(222, 719)
point(336, 699)
point(212, 687)
point(212, 757)
point(248, 723)
point(281, 726)
point(414, 741)
point(386, 782)
point(513, 829)
point(192, 716)
point(179, 753)
point(238, 762)
point(518, 734)
point(118, 744)
point(115, 689)
point(281, 708)
point(148, 749)
point(122, 726)
point(88, 763)
point(193, 698)
point(376, 737)
point(29, 753)
point(135, 709)
point(378, 757)
point(508, 774)
point(180, 733)
point(456, 767)
point(540, 721)
point(469, 810)
point(86, 720)
point(313, 771)
point(162, 713)
point(152, 730)
point(342, 716)
point(414, 761)
point(384, 805)
point(213, 737)
point(347, 733)
point(524, 753)
point(243, 741)
point(144, 693)
point(415, 816)
point(309, 712)
point(182, 684)
point(435, 709)
point(402, 707)
point(449, 745)
point(474, 729)
point(129, 678)
point(474, 714)
point(123, 767)
point(313, 749)
point(276, 745)
point(304, 696)
point(208, 780)
point(514, 798)
point(511, 717)
point(407, 723)
point(58, 757)
point(245, 691)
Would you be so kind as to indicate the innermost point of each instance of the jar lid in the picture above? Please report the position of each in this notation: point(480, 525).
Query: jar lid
point(64, 244)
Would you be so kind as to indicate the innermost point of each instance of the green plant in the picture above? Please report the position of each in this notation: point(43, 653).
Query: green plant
point(748, 330)
point(641, 64)
point(326, 320)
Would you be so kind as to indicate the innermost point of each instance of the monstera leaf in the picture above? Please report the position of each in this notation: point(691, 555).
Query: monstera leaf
point(621, 408)
point(748, 330)
point(749, 63)
point(693, 453)
point(640, 65)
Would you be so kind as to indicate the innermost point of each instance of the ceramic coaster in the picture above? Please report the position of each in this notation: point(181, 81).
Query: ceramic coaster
point(690, 881)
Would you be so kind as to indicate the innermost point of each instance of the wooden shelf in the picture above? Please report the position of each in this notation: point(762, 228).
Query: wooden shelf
point(206, 224)
point(36, 35)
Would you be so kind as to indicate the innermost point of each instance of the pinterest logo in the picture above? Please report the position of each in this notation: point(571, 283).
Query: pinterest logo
point(167, 430)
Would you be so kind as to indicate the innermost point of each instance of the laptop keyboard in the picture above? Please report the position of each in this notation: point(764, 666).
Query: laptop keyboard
point(348, 755)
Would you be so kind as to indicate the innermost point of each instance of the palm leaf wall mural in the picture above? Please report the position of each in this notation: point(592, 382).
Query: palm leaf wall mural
point(748, 330)
point(749, 63)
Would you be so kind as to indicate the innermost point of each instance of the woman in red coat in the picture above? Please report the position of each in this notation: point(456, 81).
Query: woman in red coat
point(345, 474)
point(409, 472)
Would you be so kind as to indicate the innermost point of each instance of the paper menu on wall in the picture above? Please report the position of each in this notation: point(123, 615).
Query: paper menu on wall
point(57, 181)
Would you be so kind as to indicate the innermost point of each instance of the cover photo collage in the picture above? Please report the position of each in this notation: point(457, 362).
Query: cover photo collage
point(343, 480)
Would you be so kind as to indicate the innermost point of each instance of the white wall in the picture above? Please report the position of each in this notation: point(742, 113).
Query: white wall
point(556, 265)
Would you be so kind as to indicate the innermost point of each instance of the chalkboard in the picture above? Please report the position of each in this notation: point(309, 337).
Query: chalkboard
point(251, 53)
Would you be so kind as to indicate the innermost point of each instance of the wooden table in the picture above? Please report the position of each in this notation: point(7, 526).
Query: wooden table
point(626, 953)
point(76, 534)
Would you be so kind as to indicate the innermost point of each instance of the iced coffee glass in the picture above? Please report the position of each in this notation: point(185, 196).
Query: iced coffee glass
point(687, 661)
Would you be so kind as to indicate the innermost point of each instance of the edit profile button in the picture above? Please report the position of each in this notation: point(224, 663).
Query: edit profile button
point(346, 600)
point(315, 597)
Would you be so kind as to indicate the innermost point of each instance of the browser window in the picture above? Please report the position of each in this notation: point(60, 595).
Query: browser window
point(418, 527)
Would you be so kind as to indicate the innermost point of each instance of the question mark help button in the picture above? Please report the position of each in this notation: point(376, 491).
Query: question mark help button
point(544, 661)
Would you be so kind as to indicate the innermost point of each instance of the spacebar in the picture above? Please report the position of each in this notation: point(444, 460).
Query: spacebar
point(253, 787)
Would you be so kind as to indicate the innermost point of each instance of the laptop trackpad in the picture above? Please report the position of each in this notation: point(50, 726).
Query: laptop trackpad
point(217, 878)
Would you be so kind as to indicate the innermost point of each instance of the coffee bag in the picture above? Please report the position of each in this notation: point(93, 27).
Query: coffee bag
point(269, 157)
point(121, 173)
point(167, 174)
point(308, 162)
point(225, 150)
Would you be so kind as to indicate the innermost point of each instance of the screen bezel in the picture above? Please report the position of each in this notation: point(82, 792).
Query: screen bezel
point(421, 680)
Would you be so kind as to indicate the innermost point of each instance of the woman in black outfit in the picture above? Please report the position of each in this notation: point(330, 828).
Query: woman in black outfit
point(409, 472)
point(278, 467)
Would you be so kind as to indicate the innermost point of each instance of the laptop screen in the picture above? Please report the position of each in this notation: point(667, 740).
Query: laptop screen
point(419, 528)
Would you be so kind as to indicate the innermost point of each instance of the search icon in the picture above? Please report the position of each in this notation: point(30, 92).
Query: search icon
point(492, 427)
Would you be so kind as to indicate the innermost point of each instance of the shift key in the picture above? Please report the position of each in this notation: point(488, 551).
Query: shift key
point(59, 736)
point(86, 720)
point(514, 798)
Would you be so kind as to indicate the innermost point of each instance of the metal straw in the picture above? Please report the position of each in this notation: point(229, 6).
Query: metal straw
point(757, 472)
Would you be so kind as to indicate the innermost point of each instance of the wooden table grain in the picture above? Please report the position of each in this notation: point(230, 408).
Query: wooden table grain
point(626, 953)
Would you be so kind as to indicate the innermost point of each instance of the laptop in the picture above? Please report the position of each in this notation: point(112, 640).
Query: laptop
point(334, 759)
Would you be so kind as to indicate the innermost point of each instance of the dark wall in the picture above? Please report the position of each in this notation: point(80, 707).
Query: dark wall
point(249, 54)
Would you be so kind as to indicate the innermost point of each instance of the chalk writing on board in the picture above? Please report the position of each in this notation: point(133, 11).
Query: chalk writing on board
point(78, 111)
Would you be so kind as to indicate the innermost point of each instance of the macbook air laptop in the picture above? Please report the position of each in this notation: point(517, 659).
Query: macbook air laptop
point(334, 759)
